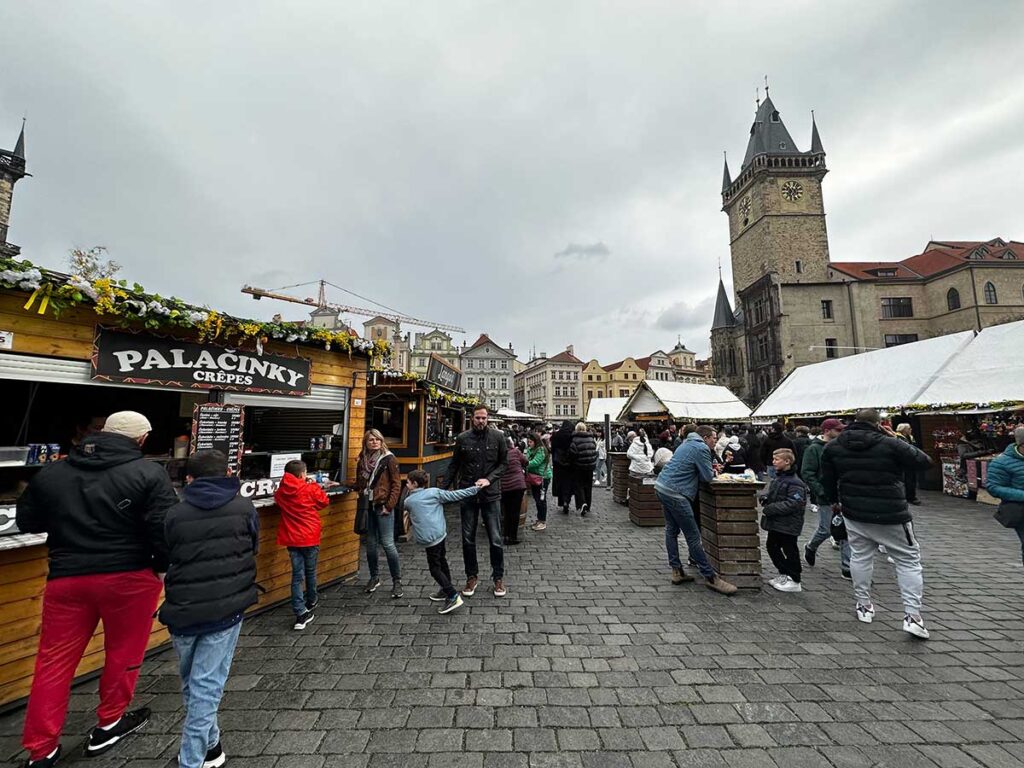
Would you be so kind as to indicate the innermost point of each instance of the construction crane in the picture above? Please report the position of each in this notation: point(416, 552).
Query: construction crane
point(320, 302)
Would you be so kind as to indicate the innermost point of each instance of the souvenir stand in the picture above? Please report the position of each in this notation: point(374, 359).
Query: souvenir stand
point(73, 350)
point(677, 402)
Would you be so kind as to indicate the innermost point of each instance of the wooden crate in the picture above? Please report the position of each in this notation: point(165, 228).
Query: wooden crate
point(620, 477)
point(729, 530)
point(644, 506)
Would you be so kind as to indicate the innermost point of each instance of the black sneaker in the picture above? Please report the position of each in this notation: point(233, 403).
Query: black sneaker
point(439, 596)
point(102, 740)
point(301, 622)
point(396, 589)
point(372, 584)
point(45, 762)
point(810, 555)
point(215, 757)
point(312, 606)
point(584, 510)
point(847, 575)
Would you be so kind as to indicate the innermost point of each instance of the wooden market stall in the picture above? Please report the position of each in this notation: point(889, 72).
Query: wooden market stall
point(206, 381)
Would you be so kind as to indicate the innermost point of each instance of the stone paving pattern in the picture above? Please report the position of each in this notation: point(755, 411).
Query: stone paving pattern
point(594, 660)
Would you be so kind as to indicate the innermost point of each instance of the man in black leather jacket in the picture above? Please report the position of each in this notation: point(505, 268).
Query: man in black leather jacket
point(480, 453)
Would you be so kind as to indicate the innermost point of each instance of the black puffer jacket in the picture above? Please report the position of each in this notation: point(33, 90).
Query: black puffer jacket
point(773, 442)
point(784, 504)
point(478, 455)
point(561, 444)
point(583, 451)
point(102, 509)
point(212, 538)
point(863, 469)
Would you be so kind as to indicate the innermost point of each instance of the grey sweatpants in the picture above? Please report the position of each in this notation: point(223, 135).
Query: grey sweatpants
point(901, 545)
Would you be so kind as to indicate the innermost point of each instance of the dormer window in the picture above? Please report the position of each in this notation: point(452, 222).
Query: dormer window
point(782, 145)
point(1009, 256)
point(978, 253)
point(885, 273)
point(775, 116)
point(998, 242)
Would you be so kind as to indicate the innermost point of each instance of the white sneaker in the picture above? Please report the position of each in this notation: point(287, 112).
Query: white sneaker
point(776, 580)
point(915, 626)
point(786, 584)
point(865, 613)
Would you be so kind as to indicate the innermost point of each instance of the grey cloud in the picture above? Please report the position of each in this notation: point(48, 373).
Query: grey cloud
point(686, 316)
point(597, 251)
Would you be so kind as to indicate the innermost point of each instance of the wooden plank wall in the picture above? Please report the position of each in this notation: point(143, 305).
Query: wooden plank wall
point(23, 571)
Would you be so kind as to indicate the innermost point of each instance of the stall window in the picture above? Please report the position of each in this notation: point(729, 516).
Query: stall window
point(389, 418)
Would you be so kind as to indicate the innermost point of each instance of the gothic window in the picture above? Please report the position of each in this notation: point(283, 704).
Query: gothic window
point(990, 294)
point(952, 299)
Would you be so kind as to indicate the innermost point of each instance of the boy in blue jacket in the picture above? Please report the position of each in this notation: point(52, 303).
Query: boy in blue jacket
point(783, 517)
point(429, 529)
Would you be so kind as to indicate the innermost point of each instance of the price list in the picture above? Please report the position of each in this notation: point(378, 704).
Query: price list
point(218, 427)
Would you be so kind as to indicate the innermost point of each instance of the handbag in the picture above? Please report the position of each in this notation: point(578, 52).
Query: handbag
point(535, 480)
point(1010, 514)
point(359, 528)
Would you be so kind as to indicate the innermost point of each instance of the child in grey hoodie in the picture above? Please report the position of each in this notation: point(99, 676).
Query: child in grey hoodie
point(426, 511)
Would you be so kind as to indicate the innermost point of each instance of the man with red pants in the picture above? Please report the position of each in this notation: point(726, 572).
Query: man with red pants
point(103, 512)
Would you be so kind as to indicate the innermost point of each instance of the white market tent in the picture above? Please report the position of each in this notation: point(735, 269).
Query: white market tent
point(508, 413)
point(882, 378)
point(599, 406)
point(676, 400)
point(990, 370)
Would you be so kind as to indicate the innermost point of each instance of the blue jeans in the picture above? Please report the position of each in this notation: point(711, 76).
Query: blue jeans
point(380, 532)
point(823, 533)
point(303, 574)
point(203, 664)
point(679, 518)
point(471, 511)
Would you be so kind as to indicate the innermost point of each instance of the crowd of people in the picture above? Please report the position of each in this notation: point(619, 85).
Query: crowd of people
point(116, 526)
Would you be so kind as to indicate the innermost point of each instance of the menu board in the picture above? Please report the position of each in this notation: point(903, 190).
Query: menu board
point(218, 427)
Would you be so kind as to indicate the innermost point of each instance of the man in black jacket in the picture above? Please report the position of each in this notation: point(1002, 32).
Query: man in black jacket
point(774, 441)
point(103, 512)
point(863, 470)
point(480, 453)
point(212, 539)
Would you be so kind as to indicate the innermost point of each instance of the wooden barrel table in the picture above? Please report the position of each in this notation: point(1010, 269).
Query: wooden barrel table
point(620, 477)
point(644, 506)
point(732, 542)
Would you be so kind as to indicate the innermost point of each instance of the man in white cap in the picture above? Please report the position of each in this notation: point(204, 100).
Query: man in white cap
point(103, 512)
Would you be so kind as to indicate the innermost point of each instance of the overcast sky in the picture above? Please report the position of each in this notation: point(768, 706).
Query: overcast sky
point(547, 172)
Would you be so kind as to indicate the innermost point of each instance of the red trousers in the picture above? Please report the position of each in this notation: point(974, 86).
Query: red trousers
point(72, 608)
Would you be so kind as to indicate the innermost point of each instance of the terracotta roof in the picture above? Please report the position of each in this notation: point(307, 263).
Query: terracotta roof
point(938, 256)
point(484, 339)
point(565, 357)
point(644, 362)
point(613, 366)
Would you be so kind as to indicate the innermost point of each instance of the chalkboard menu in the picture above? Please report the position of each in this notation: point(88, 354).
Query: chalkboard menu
point(218, 427)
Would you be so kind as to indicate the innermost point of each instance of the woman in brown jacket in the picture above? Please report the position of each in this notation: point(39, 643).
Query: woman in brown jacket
point(379, 484)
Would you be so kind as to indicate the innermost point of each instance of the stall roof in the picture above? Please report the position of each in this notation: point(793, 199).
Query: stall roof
point(989, 370)
point(686, 401)
point(600, 406)
point(508, 413)
point(882, 378)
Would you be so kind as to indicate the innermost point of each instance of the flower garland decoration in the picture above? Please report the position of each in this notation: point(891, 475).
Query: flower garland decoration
point(132, 305)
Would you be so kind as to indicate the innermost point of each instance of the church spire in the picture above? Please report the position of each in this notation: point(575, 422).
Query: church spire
point(19, 148)
point(724, 317)
point(726, 178)
point(816, 147)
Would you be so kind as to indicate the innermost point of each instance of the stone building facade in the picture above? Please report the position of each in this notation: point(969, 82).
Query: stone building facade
point(551, 387)
point(12, 170)
point(433, 342)
point(488, 372)
point(794, 306)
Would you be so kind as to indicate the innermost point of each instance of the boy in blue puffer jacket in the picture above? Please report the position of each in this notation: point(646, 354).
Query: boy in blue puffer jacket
point(429, 529)
point(783, 517)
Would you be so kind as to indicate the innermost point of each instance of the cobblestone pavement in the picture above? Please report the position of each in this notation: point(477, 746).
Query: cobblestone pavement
point(595, 660)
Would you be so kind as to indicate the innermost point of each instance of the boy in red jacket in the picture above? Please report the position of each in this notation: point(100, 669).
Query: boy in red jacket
point(300, 502)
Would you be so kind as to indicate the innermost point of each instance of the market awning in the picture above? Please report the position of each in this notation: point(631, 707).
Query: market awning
point(988, 374)
point(883, 378)
point(600, 406)
point(511, 415)
point(678, 400)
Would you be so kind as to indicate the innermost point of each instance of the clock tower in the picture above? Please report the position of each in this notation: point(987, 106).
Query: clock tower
point(775, 207)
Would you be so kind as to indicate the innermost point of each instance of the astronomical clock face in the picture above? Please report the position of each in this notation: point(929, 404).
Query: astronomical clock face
point(792, 191)
point(745, 206)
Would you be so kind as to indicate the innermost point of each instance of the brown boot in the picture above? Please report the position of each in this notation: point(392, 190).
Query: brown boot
point(499, 588)
point(470, 587)
point(678, 577)
point(717, 584)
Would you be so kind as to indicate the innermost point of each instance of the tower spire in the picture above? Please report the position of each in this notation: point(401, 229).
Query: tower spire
point(816, 146)
point(766, 86)
point(726, 178)
point(19, 148)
